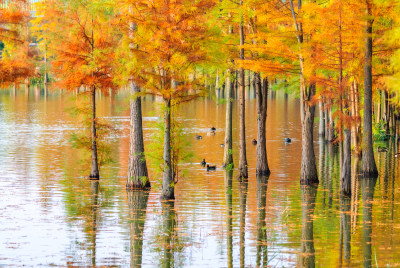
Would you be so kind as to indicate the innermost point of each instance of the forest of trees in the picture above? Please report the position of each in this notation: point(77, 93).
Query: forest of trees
point(341, 57)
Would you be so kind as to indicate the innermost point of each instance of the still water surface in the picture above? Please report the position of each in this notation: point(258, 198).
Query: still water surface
point(51, 215)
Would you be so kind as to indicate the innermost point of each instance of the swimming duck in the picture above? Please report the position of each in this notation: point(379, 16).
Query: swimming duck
point(213, 129)
point(396, 154)
point(382, 149)
point(288, 140)
point(211, 133)
point(203, 163)
point(198, 137)
point(211, 167)
point(254, 142)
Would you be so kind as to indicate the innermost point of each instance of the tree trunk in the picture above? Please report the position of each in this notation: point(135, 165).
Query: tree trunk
point(137, 204)
point(228, 157)
point(321, 130)
point(309, 174)
point(137, 168)
point(243, 171)
point(346, 165)
point(168, 180)
point(262, 96)
point(217, 88)
point(368, 165)
point(94, 172)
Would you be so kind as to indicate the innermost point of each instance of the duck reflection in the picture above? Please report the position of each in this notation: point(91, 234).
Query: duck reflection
point(137, 204)
point(308, 196)
point(228, 200)
point(368, 188)
point(262, 253)
point(243, 186)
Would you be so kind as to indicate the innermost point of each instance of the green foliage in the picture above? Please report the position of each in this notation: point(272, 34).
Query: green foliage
point(81, 139)
point(379, 131)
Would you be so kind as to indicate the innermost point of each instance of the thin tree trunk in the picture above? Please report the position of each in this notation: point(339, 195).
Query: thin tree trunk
point(368, 165)
point(94, 172)
point(217, 88)
point(228, 156)
point(137, 168)
point(321, 130)
point(168, 180)
point(262, 96)
point(243, 171)
point(346, 165)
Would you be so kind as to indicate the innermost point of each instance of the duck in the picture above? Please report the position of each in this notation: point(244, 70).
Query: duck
point(211, 133)
point(203, 163)
point(396, 154)
point(222, 145)
point(213, 129)
point(254, 142)
point(198, 137)
point(288, 140)
point(382, 149)
point(211, 167)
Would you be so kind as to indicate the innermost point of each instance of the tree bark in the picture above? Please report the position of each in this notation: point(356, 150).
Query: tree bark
point(168, 180)
point(137, 168)
point(345, 228)
point(262, 96)
point(346, 165)
point(137, 204)
point(94, 172)
point(228, 156)
point(243, 170)
point(321, 130)
point(368, 165)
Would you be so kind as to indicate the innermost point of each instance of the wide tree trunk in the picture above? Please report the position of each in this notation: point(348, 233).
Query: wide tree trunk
point(94, 172)
point(262, 243)
point(309, 174)
point(137, 204)
point(228, 156)
point(346, 165)
point(137, 168)
point(368, 165)
point(262, 96)
point(168, 180)
point(243, 170)
point(308, 196)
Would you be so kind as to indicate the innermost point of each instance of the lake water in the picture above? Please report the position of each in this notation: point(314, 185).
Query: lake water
point(51, 215)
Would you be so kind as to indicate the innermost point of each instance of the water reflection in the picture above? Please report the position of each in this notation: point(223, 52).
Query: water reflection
point(243, 187)
point(137, 204)
point(94, 185)
point(168, 234)
point(368, 189)
point(308, 196)
point(345, 230)
point(262, 247)
point(228, 199)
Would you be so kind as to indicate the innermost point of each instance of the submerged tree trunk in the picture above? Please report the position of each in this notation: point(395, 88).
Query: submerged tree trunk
point(94, 172)
point(262, 95)
point(137, 168)
point(137, 203)
point(243, 171)
point(346, 165)
point(368, 165)
point(168, 180)
point(228, 157)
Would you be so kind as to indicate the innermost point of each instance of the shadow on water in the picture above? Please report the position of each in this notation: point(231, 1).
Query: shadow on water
point(137, 204)
point(262, 247)
point(308, 196)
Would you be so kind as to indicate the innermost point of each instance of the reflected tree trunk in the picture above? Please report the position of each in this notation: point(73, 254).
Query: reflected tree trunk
point(94, 172)
point(262, 246)
point(137, 167)
point(355, 191)
point(243, 186)
point(308, 196)
point(94, 208)
point(368, 165)
point(169, 223)
point(137, 204)
point(168, 180)
point(345, 229)
point(262, 97)
point(228, 157)
point(229, 232)
point(368, 188)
